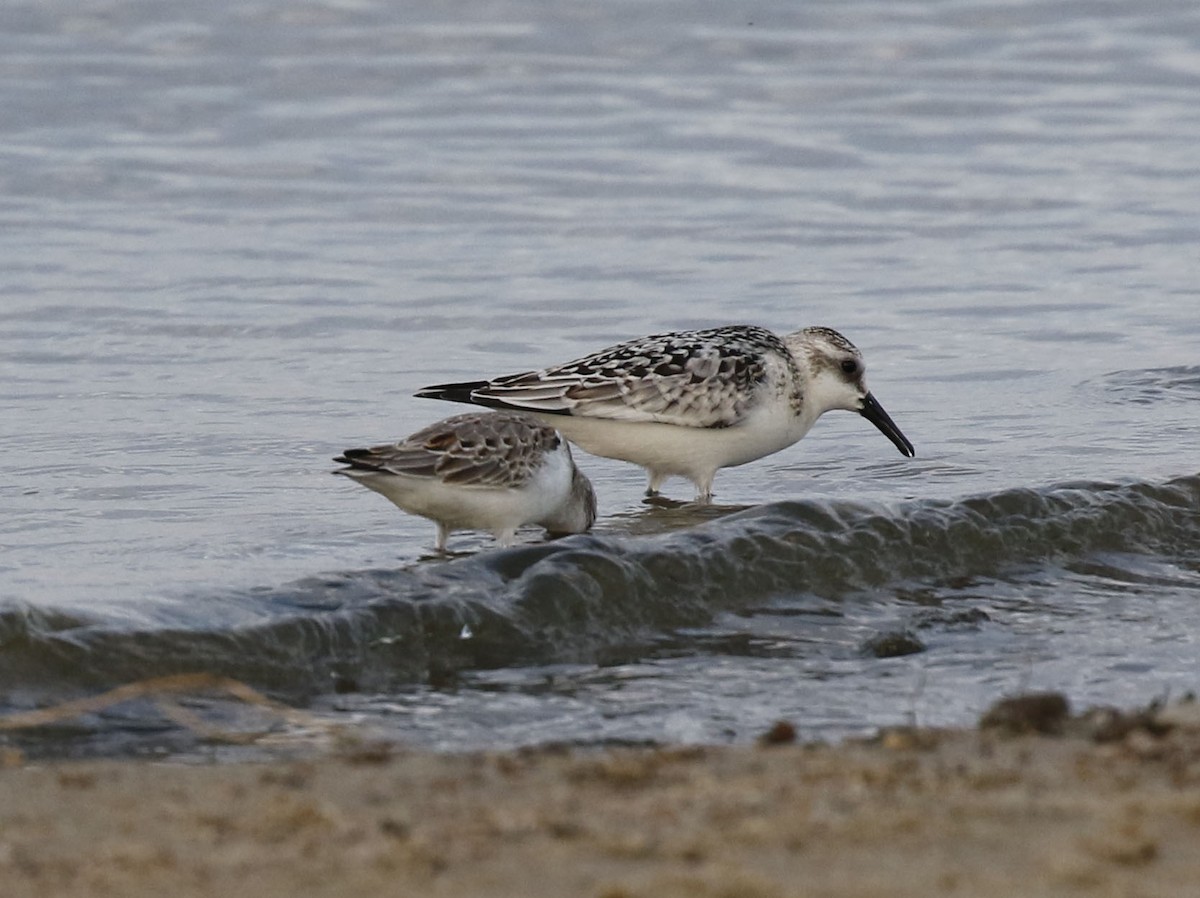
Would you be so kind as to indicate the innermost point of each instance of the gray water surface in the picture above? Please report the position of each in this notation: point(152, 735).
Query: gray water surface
point(237, 237)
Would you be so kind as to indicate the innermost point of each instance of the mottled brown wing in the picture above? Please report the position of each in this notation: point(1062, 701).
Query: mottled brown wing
point(487, 449)
point(694, 379)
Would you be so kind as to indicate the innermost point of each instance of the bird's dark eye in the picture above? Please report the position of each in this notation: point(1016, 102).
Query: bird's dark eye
point(850, 366)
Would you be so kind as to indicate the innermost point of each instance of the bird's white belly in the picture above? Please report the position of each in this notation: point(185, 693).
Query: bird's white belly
point(480, 507)
point(685, 451)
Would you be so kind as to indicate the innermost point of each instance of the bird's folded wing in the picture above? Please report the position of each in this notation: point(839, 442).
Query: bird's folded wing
point(488, 450)
point(707, 389)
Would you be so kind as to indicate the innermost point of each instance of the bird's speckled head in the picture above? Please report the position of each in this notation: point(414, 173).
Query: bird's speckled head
point(578, 513)
point(833, 368)
point(835, 378)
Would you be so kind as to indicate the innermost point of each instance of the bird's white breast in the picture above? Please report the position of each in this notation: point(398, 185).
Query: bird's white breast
point(481, 507)
point(769, 426)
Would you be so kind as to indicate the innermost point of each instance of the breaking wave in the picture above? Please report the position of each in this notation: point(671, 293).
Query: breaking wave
point(587, 598)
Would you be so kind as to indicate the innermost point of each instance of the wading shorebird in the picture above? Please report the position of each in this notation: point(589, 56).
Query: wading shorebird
point(494, 471)
point(691, 402)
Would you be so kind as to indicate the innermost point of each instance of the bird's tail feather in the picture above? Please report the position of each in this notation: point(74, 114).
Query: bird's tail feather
point(459, 392)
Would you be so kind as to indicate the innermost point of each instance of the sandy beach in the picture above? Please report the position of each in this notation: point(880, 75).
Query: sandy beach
point(1035, 803)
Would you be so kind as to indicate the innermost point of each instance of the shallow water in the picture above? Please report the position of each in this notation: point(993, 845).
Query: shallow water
point(239, 237)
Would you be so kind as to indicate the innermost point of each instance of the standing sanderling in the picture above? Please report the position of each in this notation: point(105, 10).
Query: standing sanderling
point(692, 402)
point(480, 471)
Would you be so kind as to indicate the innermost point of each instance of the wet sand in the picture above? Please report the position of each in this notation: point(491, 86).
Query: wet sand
point(1110, 805)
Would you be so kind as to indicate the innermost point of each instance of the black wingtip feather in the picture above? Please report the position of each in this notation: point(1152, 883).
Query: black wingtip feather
point(357, 459)
point(460, 392)
point(468, 392)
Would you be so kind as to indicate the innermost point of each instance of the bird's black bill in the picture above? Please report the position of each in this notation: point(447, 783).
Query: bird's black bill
point(873, 412)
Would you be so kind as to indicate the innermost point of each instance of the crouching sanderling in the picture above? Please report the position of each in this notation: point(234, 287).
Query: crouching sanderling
point(494, 471)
